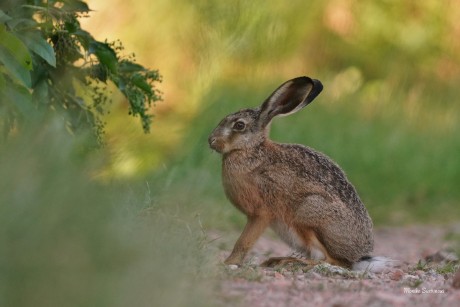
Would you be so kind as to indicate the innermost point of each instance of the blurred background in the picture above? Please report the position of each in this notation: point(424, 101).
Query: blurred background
point(389, 112)
point(128, 225)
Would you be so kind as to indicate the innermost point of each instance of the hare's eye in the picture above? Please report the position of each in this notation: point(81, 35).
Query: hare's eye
point(239, 125)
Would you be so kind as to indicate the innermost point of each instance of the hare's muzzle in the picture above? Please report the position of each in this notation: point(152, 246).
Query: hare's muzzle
point(215, 144)
point(212, 142)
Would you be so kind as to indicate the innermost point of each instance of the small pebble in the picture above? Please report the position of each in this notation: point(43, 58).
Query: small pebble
point(232, 266)
point(396, 274)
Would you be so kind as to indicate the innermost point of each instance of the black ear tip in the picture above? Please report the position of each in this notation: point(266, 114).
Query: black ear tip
point(302, 80)
point(317, 84)
point(317, 88)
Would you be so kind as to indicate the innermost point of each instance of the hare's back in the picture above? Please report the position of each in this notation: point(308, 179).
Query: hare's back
point(313, 167)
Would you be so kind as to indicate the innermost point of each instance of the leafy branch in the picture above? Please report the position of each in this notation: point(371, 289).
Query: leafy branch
point(48, 62)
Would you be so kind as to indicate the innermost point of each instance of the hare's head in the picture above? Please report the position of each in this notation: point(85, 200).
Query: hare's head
point(249, 127)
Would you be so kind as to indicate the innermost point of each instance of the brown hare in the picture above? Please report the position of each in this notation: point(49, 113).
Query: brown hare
point(300, 193)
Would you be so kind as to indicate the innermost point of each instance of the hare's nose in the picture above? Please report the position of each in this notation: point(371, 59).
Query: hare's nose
point(211, 141)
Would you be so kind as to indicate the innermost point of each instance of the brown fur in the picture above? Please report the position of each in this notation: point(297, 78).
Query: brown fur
point(302, 194)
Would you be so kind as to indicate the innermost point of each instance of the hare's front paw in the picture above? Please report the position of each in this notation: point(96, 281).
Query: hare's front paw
point(234, 259)
point(230, 261)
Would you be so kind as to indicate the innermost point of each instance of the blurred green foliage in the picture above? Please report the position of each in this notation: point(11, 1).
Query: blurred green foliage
point(69, 240)
point(48, 63)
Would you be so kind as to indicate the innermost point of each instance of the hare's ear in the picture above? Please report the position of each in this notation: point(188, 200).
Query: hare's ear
point(290, 97)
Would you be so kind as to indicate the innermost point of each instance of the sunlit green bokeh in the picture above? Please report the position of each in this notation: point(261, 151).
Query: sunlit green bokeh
point(388, 112)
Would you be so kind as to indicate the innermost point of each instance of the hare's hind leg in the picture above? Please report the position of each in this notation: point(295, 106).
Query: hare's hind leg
point(317, 249)
point(302, 242)
point(282, 261)
point(318, 253)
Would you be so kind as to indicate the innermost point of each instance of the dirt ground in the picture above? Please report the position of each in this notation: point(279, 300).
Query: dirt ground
point(424, 283)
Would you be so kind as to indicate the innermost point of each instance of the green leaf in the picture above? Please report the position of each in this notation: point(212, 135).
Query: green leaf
point(105, 54)
point(4, 17)
point(16, 47)
point(21, 23)
point(16, 97)
point(35, 42)
point(75, 6)
point(15, 56)
point(72, 26)
point(139, 81)
point(13, 68)
point(35, 7)
point(99, 72)
point(129, 67)
point(84, 37)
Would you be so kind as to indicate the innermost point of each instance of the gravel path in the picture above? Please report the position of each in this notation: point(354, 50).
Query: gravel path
point(425, 283)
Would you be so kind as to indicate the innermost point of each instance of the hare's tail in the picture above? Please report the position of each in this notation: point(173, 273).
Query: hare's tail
point(376, 264)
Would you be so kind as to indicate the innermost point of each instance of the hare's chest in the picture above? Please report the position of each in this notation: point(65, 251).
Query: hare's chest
point(243, 191)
